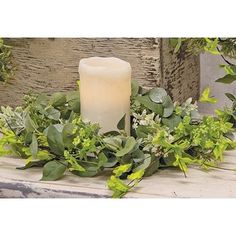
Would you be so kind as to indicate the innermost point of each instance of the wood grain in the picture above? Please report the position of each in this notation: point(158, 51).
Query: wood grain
point(180, 73)
point(50, 65)
point(169, 183)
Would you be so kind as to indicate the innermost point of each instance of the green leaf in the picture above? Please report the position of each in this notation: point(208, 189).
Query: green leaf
point(68, 135)
point(53, 170)
point(65, 113)
point(113, 143)
point(145, 164)
point(118, 171)
point(58, 99)
point(121, 123)
point(102, 159)
point(53, 113)
point(129, 145)
point(205, 96)
point(138, 156)
point(34, 146)
point(212, 46)
point(30, 125)
point(142, 131)
point(73, 99)
point(168, 106)
point(28, 138)
point(111, 133)
point(115, 184)
point(153, 167)
point(55, 141)
point(176, 43)
point(143, 90)
point(42, 99)
point(111, 162)
point(32, 164)
point(172, 121)
point(195, 116)
point(136, 175)
point(157, 95)
point(230, 96)
point(229, 69)
point(85, 173)
point(134, 88)
point(149, 104)
point(227, 79)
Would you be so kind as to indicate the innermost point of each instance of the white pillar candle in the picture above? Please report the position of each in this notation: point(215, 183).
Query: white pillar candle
point(105, 89)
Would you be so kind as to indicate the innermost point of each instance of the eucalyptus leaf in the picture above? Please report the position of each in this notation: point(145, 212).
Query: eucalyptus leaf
point(53, 170)
point(195, 116)
point(168, 106)
point(157, 95)
point(149, 104)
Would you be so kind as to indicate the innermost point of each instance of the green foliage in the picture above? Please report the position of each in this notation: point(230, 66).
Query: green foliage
point(205, 96)
point(230, 76)
point(48, 132)
point(228, 114)
point(6, 66)
point(225, 47)
point(53, 170)
point(121, 123)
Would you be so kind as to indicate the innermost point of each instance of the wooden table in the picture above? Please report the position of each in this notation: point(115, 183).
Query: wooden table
point(170, 183)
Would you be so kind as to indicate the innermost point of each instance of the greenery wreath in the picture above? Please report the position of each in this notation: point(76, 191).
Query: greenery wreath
point(48, 132)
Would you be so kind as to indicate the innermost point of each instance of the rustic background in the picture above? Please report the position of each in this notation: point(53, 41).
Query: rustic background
point(49, 65)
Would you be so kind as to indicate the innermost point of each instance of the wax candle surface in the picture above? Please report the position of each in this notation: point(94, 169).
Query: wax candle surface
point(105, 89)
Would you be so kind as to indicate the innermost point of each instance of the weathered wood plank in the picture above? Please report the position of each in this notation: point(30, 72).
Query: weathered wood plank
point(168, 183)
point(50, 65)
point(180, 73)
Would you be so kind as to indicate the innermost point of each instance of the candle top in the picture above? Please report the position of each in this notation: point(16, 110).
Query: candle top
point(98, 65)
